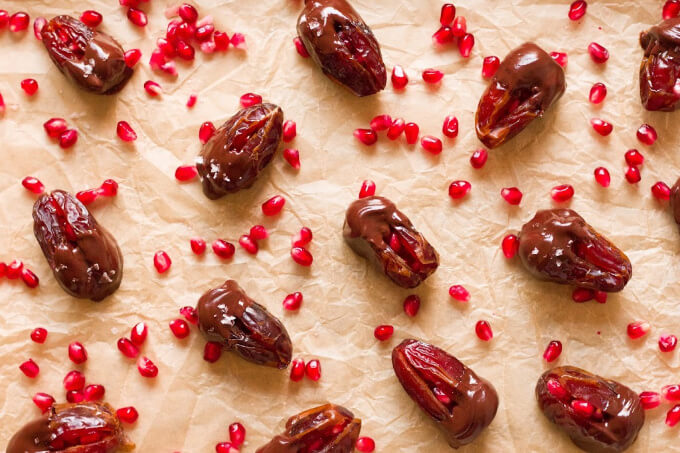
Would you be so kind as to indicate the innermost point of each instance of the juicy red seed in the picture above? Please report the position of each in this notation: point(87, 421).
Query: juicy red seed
point(132, 57)
point(91, 18)
point(431, 144)
point(33, 185)
point(556, 389)
point(289, 130)
point(39, 335)
point(450, 127)
point(29, 278)
point(646, 134)
point(367, 189)
point(560, 58)
point(14, 269)
point(19, 21)
point(597, 93)
point(301, 256)
point(54, 127)
point(74, 381)
point(238, 40)
point(313, 370)
point(366, 444)
point(125, 132)
point(381, 123)
point(192, 100)
point(411, 131)
point(87, 197)
point(189, 314)
point(577, 9)
point(223, 249)
point(94, 392)
point(109, 188)
point(300, 47)
point(490, 66)
point(650, 400)
point(598, 53)
point(446, 16)
point(206, 132)
point(137, 17)
point(582, 408)
point(512, 195)
point(459, 189)
point(443, 36)
point(4, 18)
point(188, 13)
point(399, 78)
point(637, 329)
point(237, 434)
point(38, 24)
point(673, 416)
point(459, 27)
point(127, 348)
point(30, 368)
point(510, 246)
point(273, 206)
point(366, 136)
point(580, 295)
point(185, 51)
point(139, 333)
point(248, 244)
point(661, 191)
point(250, 99)
point(153, 88)
point(602, 176)
point(601, 126)
point(600, 297)
point(146, 367)
point(478, 158)
point(77, 352)
point(634, 157)
point(633, 175)
point(297, 370)
point(166, 47)
point(293, 301)
point(212, 352)
point(30, 86)
point(432, 76)
point(667, 343)
point(127, 415)
point(383, 333)
point(258, 232)
point(197, 245)
point(179, 328)
point(43, 401)
point(465, 45)
point(459, 293)
point(303, 238)
point(186, 173)
point(221, 40)
point(552, 351)
point(483, 331)
point(671, 9)
point(75, 396)
point(411, 305)
point(292, 156)
point(225, 447)
point(562, 193)
point(671, 392)
point(161, 261)
point(396, 128)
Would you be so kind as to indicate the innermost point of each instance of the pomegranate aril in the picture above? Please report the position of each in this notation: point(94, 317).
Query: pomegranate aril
point(125, 132)
point(179, 328)
point(273, 206)
point(459, 27)
point(127, 348)
point(198, 245)
point(137, 17)
point(75, 396)
point(560, 58)
point(293, 301)
point(303, 238)
point(138, 333)
point(300, 47)
point(127, 415)
point(581, 295)
point(671, 392)
point(153, 88)
point(161, 261)
point(39, 335)
point(479, 158)
point(188, 13)
point(667, 343)
point(431, 144)
point(661, 191)
point(396, 128)
point(237, 434)
point(77, 352)
point(562, 193)
point(411, 305)
point(30, 369)
point(383, 333)
point(673, 416)
point(634, 157)
point(367, 189)
point(94, 392)
point(146, 367)
point(14, 269)
point(250, 99)
point(189, 314)
point(4, 18)
point(221, 40)
point(411, 131)
point(459, 293)
point(248, 244)
point(432, 76)
point(633, 175)
point(297, 370)
point(459, 189)
point(3, 269)
point(602, 127)
point(366, 136)
point(19, 21)
point(33, 185)
point(646, 134)
point(450, 127)
point(259, 232)
point(510, 245)
point(91, 18)
point(292, 156)
point(483, 331)
point(223, 249)
point(552, 351)
point(212, 352)
point(192, 100)
point(600, 297)
point(301, 256)
point(399, 78)
point(602, 176)
point(556, 390)
point(132, 57)
point(38, 24)
point(43, 401)
point(87, 197)
point(512, 195)
point(637, 329)
point(597, 93)
point(238, 40)
point(74, 381)
point(185, 51)
point(465, 45)
point(109, 188)
point(582, 408)
point(650, 400)
point(289, 130)
point(29, 278)
point(577, 9)
point(598, 53)
point(381, 123)
point(443, 36)
point(206, 132)
point(313, 370)
point(671, 9)
point(54, 127)
point(490, 66)
point(446, 16)
point(186, 173)
point(30, 86)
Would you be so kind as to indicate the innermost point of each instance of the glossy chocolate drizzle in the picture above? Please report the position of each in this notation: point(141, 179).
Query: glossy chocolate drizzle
point(660, 67)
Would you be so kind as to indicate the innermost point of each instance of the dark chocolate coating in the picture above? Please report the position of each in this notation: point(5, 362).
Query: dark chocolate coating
point(675, 201)
point(621, 418)
point(95, 61)
point(558, 245)
point(83, 255)
point(370, 221)
point(329, 428)
point(660, 67)
point(420, 367)
point(527, 82)
point(228, 316)
point(239, 150)
point(340, 42)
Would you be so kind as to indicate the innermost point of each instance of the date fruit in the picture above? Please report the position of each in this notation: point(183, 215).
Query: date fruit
point(340, 42)
point(675, 201)
point(461, 403)
point(83, 256)
point(89, 58)
point(526, 84)
point(660, 67)
point(86, 427)
point(226, 315)
point(558, 245)
point(599, 415)
point(324, 429)
point(375, 229)
point(239, 150)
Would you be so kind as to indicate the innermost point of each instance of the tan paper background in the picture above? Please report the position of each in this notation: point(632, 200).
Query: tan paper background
point(191, 403)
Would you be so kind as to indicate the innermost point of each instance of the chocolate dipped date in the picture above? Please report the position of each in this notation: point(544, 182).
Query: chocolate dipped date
point(340, 42)
point(86, 427)
point(239, 150)
point(660, 67)
point(599, 415)
point(324, 429)
point(527, 82)
point(89, 58)
point(675, 201)
point(83, 255)
point(375, 229)
point(227, 315)
point(558, 245)
point(461, 403)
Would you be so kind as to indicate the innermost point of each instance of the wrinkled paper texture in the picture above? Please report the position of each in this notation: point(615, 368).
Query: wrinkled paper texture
point(190, 405)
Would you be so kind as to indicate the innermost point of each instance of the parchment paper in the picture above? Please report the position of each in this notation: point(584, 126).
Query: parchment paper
point(190, 405)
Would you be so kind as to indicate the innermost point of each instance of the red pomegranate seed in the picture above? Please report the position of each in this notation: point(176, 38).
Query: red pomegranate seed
point(77, 353)
point(127, 415)
point(671, 9)
point(153, 88)
point(367, 189)
point(33, 185)
point(139, 333)
point(582, 408)
point(313, 370)
point(238, 40)
point(650, 400)
point(185, 51)
point(258, 232)
point(577, 9)
point(189, 314)
point(431, 144)
point(166, 47)
point(300, 47)
point(68, 138)
point(225, 447)
point(30, 369)
point(556, 389)
point(137, 17)
point(250, 99)
point(634, 158)
point(292, 156)
point(237, 434)
point(673, 416)
point(560, 58)
point(289, 131)
point(127, 348)
point(193, 97)
point(248, 244)
point(38, 24)
point(197, 245)
point(399, 78)
point(598, 53)
point(4, 18)
point(667, 343)
point(512, 195)
point(597, 93)
point(562, 193)
point(223, 249)
point(161, 261)
point(39, 335)
point(366, 444)
point(146, 367)
point(188, 13)
point(301, 256)
point(19, 21)
point(293, 301)
point(91, 18)
point(43, 401)
point(443, 36)
point(179, 328)
point(600, 297)
point(75, 396)
point(383, 333)
point(602, 176)
point(109, 188)
point(490, 66)
point(221, 40)
point(206, 132)
point(396, 128)
point(432, 76)
point(212, 352)
point(459, 189)
point(633, 175)
point(601, 126)
point(483, 331)
point(74, 381)
point(510, 245)
point(94, 392)
point(125, 132)
point(3, 269)
point(366, 136)
point(14, 269)
point(450, 127)
point(273, 206)
point(411, 305)
point(580, 295)
point(381, 123)
point(446, 16)
point(552, 351)
point(661, 191)
point(132, 57)
point(465, 45)
point(29, 278)
point(459, 27)
point(297, 370)
point(30, 86)
point(54, 127)
point(671, 392)
point(303, 238)
point(478, 158)
point(186, 173)
point(87, 197)
point(638, 329)
point(459, 293)
point(411, 130)
point(646, 134)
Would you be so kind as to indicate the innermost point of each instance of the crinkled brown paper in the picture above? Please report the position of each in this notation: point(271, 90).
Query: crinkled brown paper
point(190, 405)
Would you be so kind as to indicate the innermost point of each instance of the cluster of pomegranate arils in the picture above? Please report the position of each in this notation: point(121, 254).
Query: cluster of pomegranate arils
point(57, 128)
point(670, 393)
point(129, 347)
point(453, 30)
point(237, 436)
point(74, 381)
point(17, 22)
point(16, 270)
